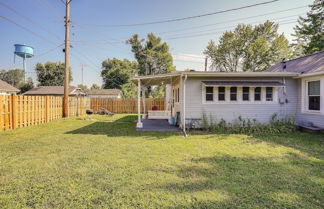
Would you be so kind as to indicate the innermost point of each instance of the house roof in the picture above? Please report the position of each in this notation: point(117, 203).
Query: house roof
point(313, 63)
point(309, 65)
point(4, 86)
point(243, 83)
point(51, 90)
point(104, 92)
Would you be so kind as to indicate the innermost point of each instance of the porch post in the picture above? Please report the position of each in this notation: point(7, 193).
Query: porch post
point(139, 121)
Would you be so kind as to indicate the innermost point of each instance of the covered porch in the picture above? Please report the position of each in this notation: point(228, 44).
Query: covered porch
point(157, 125)
point(159, 120)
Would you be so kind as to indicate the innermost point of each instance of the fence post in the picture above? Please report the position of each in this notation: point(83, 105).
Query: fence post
point(47, 108)
point(14, 113)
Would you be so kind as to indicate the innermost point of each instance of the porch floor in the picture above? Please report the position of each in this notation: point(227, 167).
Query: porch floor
point(157, 125)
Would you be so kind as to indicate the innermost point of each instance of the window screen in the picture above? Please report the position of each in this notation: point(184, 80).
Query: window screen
point(314, 92)
point(257, 94)
point(209, 93)
point(246, 92)
point(221, 93)
point(233, 93)
point(269, 93)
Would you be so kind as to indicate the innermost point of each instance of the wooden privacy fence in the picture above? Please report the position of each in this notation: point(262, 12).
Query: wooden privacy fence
point(125, 105)
point(22, 111)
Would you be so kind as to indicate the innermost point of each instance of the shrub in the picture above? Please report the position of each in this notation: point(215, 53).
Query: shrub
point(250, 126)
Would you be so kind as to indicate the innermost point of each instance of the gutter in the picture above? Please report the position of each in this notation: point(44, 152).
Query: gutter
point(309, 74)
point(239, 74)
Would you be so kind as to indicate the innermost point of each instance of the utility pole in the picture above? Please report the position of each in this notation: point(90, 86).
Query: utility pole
point(67, 60)
point(206, 59)
point(82, 65)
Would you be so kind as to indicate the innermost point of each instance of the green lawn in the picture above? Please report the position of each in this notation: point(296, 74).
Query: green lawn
point(75, 163)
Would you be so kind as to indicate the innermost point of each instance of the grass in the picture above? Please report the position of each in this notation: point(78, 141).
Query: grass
point(74, 163)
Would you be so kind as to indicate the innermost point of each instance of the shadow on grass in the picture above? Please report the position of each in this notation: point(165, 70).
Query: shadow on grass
point(235, 182)
point(124, 126)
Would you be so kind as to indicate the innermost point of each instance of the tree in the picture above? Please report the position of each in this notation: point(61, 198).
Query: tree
point(152, 55)
point(117, 72)
point(51, 73)
point(158, 91)
point(309, 31)
point(249, 48)
point(94, 86)
point(26, 86)
point(129, 90)
point(83, 87)
point(14, 77)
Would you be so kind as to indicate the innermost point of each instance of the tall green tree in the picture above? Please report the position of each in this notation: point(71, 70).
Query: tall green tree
point(117, 72)
point(129, 90)
point(158, 91)
point(152, 55)
point(51, 73)
point(83, 87)
point(309, 31)
point(95, 86)
point(26, 86)
point(249, 48)
point(14, 77)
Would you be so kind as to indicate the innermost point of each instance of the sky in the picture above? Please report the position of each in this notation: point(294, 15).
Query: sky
point(95, 36)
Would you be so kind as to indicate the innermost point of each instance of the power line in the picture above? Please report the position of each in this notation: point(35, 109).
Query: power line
point(220, 29)
point(26, 29)
point(29, 19)
point(207, 25)
point(211, 33)
point(186, 18)
point(48, 51)
point(233, 20)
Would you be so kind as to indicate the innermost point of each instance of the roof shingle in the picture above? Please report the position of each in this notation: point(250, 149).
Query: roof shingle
point(308, 64)
point(49, 90)
point(4, 86)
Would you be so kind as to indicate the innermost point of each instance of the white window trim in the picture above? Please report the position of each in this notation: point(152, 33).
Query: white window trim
point(304, 96)
point(239, 96)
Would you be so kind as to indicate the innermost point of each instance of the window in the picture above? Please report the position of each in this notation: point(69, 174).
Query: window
point(257, 94)
point(246, 92)
point(233, 93)
point(221, 93)
point(209, 93)
point(269, 94)
point(314, 97)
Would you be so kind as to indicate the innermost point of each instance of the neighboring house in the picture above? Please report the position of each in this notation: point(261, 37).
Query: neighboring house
point(105, 93)
point(294, 87)
point(54, 91)
point(7, 89)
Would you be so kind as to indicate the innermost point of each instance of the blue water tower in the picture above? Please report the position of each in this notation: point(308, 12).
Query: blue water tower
point(24, 51)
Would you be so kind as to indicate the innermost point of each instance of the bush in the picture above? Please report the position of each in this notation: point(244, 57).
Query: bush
point(250, 126)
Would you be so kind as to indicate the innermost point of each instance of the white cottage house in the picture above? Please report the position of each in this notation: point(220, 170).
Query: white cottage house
point(294, 87)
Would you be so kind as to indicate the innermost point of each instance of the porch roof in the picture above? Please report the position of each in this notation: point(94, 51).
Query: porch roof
point(168, 77)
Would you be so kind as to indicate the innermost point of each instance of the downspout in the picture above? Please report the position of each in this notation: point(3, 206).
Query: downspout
point(184, 107)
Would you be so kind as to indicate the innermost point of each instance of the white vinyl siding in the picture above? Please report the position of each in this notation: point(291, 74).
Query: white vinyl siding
point(231, 110)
